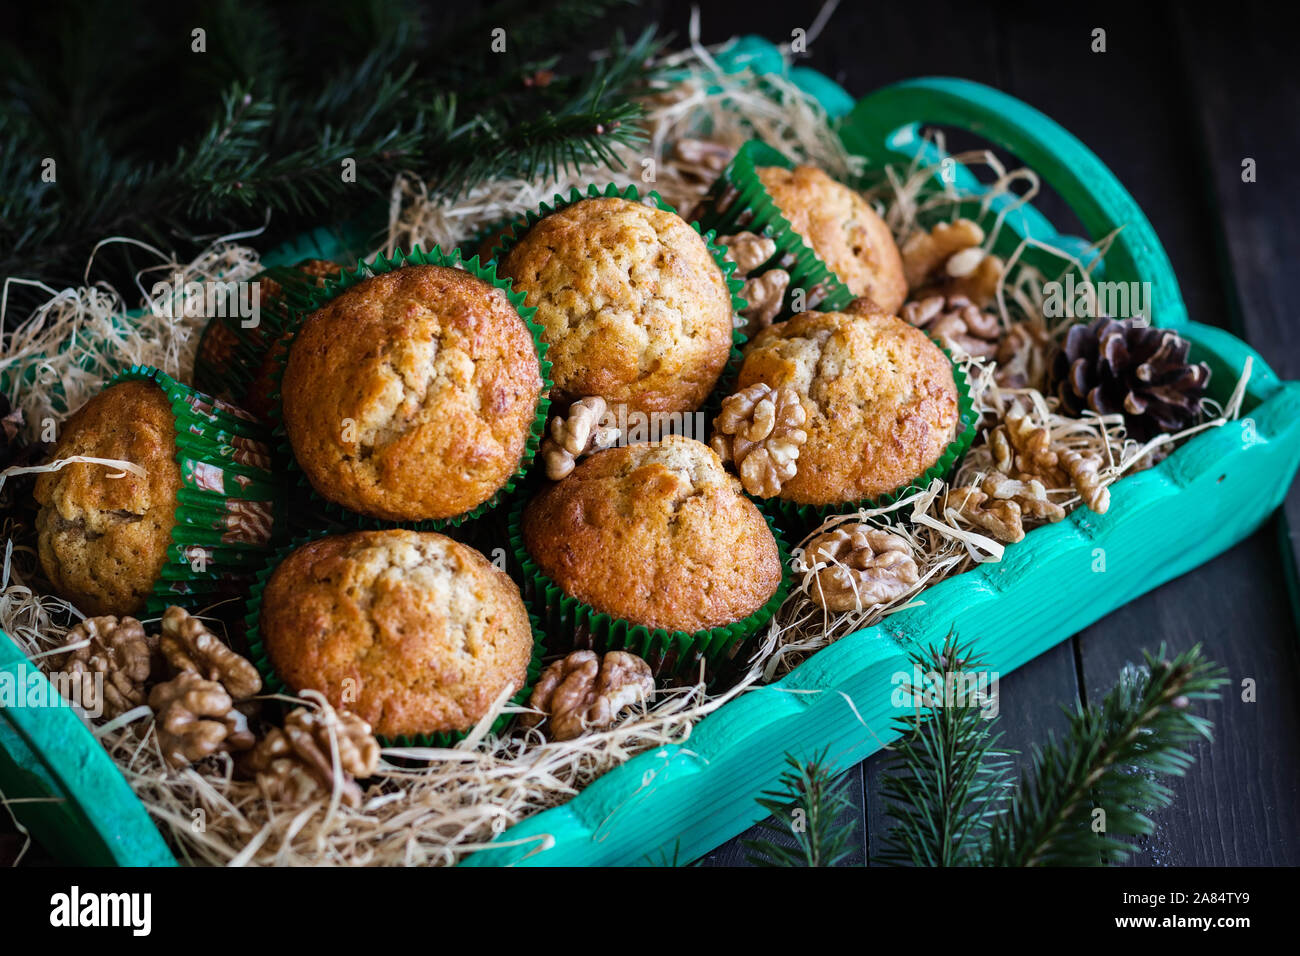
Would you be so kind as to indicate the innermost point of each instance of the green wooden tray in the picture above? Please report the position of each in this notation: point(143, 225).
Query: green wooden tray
point(679, 802)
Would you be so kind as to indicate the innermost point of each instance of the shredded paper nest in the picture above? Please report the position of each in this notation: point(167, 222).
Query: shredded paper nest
point(437, 806)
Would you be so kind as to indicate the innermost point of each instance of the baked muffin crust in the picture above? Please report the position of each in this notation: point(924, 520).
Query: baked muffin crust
point(842, 228)
point(103, 541)
point(412, 631)
point(880, 397)
point(634, 307)
point(657, 534)
point(411, 395)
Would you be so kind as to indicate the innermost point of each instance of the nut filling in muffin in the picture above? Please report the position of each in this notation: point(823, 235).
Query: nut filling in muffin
point(411, 395)
point(414, 632)
point(656, 534)
point(880, 400)
point(103, 541)
point(634, 307)
point(842, 228)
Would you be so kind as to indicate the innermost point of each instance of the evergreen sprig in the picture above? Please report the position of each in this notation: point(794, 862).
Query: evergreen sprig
point(1109, 760)
point(166, 145)
point(953, 804)
point(946, 777)
point(808, 807)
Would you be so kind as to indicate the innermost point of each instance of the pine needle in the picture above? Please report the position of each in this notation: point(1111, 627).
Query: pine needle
point(808, 806)
point(947, 777)
point(1094, 785)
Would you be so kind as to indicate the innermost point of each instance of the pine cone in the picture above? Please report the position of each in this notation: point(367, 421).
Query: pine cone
point(1142, 372)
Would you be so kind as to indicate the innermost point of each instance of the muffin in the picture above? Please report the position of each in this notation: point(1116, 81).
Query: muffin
point(842, 228)
point(103, 541)
point(235, 363)
point(412, 394)
point(412, 631)
point(657, 535)
point(880, 398)
point(192, 529)
point(633, 305)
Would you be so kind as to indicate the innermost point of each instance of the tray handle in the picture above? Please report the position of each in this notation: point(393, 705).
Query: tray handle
point(62, 753)
point(887, 124)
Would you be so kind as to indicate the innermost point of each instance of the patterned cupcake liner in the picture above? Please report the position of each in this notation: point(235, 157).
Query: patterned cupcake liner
point(738, 202)
point(312, 507)
point(521, 224)
point(230, 357)
point(797, 518)
point(226, 509)
point(273, 684)
point(672, 655)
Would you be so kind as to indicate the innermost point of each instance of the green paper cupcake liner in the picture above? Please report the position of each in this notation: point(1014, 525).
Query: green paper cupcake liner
point(573, 624)
point(272, 683)
point(738, 202)
point(314, 507)
point(226, 509)
point(802, 518)
point(230, 357)
point(522, 224)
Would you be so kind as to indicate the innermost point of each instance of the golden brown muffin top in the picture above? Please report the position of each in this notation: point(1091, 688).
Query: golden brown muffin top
point(634, 307)
point(880, 398)
point(414, 632)
point(411, 395)
point(656, 534)
point(842, 228)
point(103, 541)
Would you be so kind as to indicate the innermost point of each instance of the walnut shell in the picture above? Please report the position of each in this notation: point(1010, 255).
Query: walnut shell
point(189, 645)
point(582, 692)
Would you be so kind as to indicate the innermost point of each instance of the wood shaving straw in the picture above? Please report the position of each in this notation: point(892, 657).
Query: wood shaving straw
point(436, 806)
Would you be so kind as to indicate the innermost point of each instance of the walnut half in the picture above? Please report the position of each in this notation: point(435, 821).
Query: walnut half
point(1000, 504)
point(956, 322)
point(856, 566)
point(118, 649)
point(189, 645)
point(582, 692)
point(949, 259)
point(760, 431)
point(577, 433)
point(1022, 448)
point(196, 718)
point(295, 763)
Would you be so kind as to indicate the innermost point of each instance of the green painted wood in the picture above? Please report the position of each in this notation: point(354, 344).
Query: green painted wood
point(887, 126)
point(679, 802)
point(683, 800)
point(76, 801)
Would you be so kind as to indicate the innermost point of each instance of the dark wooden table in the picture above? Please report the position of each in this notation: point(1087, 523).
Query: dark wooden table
point(1173, 106)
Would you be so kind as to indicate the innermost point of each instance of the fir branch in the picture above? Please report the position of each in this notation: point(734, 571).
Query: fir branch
point(946, 777)
point(567, 123)
point(261, 122)
point(808, 806)
point(1109, 759)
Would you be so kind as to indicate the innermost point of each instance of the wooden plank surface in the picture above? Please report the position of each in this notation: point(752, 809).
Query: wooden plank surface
point(1140, 106)
point(1173, 106)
